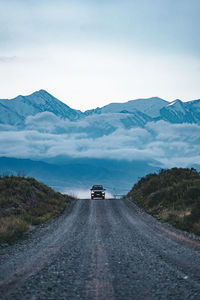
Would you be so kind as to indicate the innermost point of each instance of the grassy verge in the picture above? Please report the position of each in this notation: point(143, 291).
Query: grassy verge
point(25, 202)
point(172, 196)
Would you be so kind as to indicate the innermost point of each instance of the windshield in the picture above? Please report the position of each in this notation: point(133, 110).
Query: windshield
point(97, 187)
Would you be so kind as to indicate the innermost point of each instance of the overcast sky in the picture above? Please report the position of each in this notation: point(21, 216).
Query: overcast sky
point(88, 53)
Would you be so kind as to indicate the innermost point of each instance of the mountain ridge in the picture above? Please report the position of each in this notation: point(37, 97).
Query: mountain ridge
point(15, 111)
point(150, 106)
point(37, 102)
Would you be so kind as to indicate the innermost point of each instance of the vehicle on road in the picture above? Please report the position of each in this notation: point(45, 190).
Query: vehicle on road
point(97, 191)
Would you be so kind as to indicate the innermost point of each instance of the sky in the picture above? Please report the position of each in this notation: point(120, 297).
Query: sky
point(88, 53)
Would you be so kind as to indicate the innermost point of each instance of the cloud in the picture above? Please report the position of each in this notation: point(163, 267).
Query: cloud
point(7, 127)
point(46, 136)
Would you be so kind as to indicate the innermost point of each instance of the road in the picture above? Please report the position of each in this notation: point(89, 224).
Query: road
point(102, 249)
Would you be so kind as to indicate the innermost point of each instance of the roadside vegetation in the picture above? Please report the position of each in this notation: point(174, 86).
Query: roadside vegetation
point(171, 195)
point(25, 202)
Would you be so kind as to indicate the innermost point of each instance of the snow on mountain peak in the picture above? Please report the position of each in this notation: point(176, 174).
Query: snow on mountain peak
point(37, 102)
point(150, 106)
point(178, 106)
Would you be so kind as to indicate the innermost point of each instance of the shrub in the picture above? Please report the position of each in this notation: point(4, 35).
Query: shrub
point(12, 228)
point(25, 202)
point(170, 195)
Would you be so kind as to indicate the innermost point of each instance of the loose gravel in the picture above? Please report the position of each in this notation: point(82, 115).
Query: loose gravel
point(102, 249)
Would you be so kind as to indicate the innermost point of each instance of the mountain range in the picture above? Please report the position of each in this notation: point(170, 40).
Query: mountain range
point(132, 113)
point(111, 145)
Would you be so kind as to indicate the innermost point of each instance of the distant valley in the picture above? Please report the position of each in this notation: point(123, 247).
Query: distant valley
point(79, 174)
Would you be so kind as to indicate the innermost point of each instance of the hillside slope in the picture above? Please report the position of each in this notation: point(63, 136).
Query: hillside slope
point(25, 202)
point(171, 195)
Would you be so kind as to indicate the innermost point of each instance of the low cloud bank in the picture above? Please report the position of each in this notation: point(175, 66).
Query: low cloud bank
point(46, 135)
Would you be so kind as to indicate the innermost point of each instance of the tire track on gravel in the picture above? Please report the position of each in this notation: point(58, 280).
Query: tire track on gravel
point(100, 285)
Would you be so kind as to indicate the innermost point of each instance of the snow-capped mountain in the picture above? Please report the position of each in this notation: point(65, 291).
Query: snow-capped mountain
point(15, 111)
point(134, 113)
point(154, 109)
point(150, 107)
point(181, 112)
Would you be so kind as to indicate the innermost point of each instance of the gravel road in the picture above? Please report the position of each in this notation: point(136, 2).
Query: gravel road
point(102, 249)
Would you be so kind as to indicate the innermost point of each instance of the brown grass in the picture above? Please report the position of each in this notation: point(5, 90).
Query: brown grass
point(12, 228)
point(25, 202)
point(171, 195)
